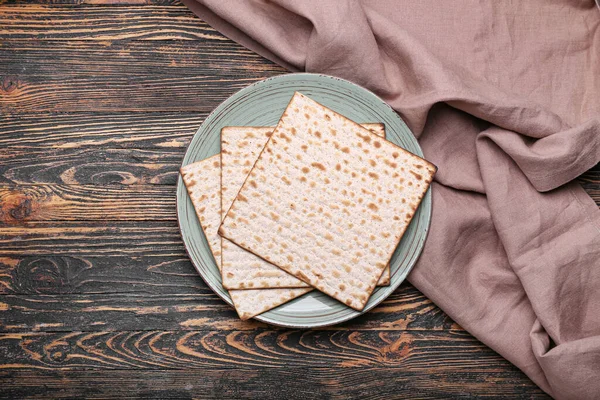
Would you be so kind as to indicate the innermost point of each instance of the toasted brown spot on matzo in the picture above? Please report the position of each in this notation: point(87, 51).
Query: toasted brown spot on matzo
point(418, 176)
point(284, 136)
point(366, 138)
point(319, 166)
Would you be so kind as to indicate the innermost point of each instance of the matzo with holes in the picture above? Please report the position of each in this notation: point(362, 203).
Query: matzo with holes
point(203, 183)
point(240, 148)
point(328, 201)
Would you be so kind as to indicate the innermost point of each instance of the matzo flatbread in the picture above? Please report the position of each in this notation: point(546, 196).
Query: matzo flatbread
point(328, 201)
point(203, 183)
point(240, 148)
point(252, 302)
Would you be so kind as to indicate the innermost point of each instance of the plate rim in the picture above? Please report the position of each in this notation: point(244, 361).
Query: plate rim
point(392, 287)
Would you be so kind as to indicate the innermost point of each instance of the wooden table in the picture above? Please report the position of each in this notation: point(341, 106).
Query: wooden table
point(99, 99)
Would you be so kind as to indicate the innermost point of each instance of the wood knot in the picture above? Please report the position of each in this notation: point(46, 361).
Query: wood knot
point(49, 274)
point(57, 351)
point(9, 83)
point(15, 207)
point(58, 356)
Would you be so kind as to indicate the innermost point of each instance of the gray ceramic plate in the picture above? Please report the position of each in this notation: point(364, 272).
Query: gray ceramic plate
point(261, 104)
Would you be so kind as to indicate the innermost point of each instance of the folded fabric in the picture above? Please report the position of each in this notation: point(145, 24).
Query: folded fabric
point(505, 99)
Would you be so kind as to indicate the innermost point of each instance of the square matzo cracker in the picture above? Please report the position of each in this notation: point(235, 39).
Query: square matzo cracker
point(328, 201)
point(203, 183)
point(240, 148)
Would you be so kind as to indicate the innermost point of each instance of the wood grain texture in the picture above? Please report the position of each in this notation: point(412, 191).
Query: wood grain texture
point(160, 131)
point(91, 166)
point(87, 238)
point(59, 275)
point(393, 349)
point(95, 149)
point(109, 22)
point(406, 309)
point(136, 76)
point(269, 383)
point(21, 203)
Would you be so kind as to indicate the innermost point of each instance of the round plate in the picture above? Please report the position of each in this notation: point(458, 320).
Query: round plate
point(261, 104)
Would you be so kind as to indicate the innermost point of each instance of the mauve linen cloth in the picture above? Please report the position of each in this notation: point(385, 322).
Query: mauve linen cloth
point(504, 97)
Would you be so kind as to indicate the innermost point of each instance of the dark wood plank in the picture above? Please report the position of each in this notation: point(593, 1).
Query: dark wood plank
point(394, 349)
point(92, 166)
point(21, 134)
point(269, 383)
point(25, 203)
point(138, 76)
point(146, 22)
point(24, 274)
point(405, 309)
point(117, 311)
point(208, 57)
point(95, 149)
point(86, 238)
